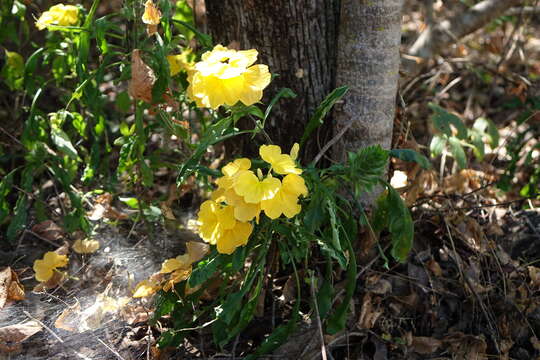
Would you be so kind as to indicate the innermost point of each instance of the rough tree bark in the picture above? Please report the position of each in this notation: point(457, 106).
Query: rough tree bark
point(368, 62)
point(297, 39)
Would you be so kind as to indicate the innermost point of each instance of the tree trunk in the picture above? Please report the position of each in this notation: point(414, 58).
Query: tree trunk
point(297, 40)
point(368, 62)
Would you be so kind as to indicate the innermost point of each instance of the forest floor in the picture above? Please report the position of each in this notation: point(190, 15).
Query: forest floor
point(471, 286)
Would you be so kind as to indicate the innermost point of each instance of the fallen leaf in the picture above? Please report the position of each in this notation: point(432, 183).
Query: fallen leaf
point(12, 336)
point(103, 309)
point(142, 78)
point(48, 230)
point(69, 318)
point(368, 316)
point(197, 250)
point(425, 345)
point(434, 267)
point(86, 246)
point(534, 274)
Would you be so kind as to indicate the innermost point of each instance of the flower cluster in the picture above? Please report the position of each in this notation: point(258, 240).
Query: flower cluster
point(45, 268)
point(226, 76)
point(180, 62)
point(59, 15)
point(243, 194)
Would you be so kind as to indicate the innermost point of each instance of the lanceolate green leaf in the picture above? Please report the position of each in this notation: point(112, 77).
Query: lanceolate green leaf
point(442, 120)
point(412, 156)
point(400, 225)
point(323, 109)
point(456, 149)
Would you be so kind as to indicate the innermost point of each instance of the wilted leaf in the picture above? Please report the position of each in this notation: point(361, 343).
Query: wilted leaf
point(151, 17)
point(104, 308)
point(86, 246)
point(197, 250)
point(12, 336)
point(368, 315)
point(142, 78)
point(48, 230)
point(425, 345)
point(10, 287)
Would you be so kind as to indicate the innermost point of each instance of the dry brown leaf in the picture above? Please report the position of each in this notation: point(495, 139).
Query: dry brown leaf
point(104, 308)
point(468, 347)
point(434, 267)
point(376, 285)
point(12, 336)
point(151, 17)
point(425, 345)
point(534, 274)
point(48, 230)
point(368, 316)
point(142, 78)
point(69, 318)
point(85, 246)
point(196, 250)
point(103, 208)
point(167, 211)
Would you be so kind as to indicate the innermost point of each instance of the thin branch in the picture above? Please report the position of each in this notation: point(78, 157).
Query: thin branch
point(435, 38)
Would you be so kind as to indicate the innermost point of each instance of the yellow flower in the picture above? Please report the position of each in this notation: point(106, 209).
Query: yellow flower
point(286, 199)
point(44, 268)
point(219, 227)
point(152, 15)
point(282, 164)
point(214, 219)
point(86, 246)
point(243, 211)
point(226, 76)
point(235, 237)
point(231, 172)
point(180, 62)
point(254, 190)
point(60, 15)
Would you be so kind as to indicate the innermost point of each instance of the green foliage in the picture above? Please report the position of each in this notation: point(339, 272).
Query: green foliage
point(454, 135)
point(87, 134)
point(521, 152)
point(321, 111)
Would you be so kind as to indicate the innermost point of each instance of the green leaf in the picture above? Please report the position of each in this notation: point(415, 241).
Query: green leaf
point(123, 102)
point(456, 149)
point(147, 174)
point(366, 166)
point(130, 201)
point(5, 187)
point(400, 225)
point(412, 156)
point(13, 70)
point(282, 93)
point(321, 111)
point(204, 39)
point(215, 133)
point(436, 147)
point(336, 322)
point(206, 269)
point(477, 142)
point(62, 141)
point(487, 127)
point(442, 120)
point(325, 293)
